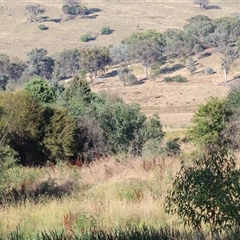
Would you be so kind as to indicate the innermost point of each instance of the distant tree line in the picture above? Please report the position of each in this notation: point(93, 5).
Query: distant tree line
point(70, 121)
point(149, 48)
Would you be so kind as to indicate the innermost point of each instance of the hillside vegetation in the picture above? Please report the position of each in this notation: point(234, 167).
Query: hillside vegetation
point(119, 120)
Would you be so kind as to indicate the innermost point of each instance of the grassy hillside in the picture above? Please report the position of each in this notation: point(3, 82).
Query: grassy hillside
point(18, 36)
point(174, 102)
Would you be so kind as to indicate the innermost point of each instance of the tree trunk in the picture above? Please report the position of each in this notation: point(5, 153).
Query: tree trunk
point(146, 71)
point(225, 74)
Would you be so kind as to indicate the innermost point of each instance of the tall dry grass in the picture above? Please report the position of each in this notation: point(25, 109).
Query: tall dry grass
point(108, 192)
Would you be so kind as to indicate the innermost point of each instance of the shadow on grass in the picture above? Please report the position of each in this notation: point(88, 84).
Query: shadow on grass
point(47, 19)
point(92, 10)
point(212, 7)
point(46, 189)
point(172, 68)
point(110, 74)
point(141, 81)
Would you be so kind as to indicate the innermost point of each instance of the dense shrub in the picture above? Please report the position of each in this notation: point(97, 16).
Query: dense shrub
point(105, 30)
point(172, 148)
point(40, 89)
point(209, 71)
point(59, 139)
point(42, 27)
point(22, 124)
point(126, 76)
point(131, 78)
point(90, 139)
point(74, 10)
point(177, 78)
point(86, 37)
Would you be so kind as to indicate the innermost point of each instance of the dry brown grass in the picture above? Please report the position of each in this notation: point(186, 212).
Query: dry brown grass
point(107, 196)
point(18, 37)
point(174, 102)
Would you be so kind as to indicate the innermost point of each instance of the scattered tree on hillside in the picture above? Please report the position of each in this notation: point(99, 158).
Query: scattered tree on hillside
point(120, 54)
point(147, 53)
point(202, 3)
point(126, 76)
point(39, 63)
point(67, 63)
point(175, 43)
point(198, 28)
point(149, 36)
point(191, 65)
point(74, 8)
point(228, 28)
point(229, 55)
point(32, 12)
point(10, 72)
point(94, 59)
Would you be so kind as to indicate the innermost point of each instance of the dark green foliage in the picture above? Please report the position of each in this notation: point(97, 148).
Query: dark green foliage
point(207, 192)
point(91, 143)
point(131, 232)
point(59, 135)
point(39, 63)
point(41, 90)
point(228, 27)
point(3, 81)
point(172, 148)
point(86, 37)
point(149, 137)
point(67, 63)
point(233, 98)
point(120, 127)
point(209, 121)
point(105, 30)
point(77, 94)
point(149, 36)
point(120, 123)
point(42, 27)
point(23, 122)
point(198, 28)
point(175, 43)
point(146, 47)
point(74, 10)
point(177, 78)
